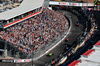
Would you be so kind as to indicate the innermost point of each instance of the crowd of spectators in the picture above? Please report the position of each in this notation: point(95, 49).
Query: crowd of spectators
point(9, 4)
point(40, 30)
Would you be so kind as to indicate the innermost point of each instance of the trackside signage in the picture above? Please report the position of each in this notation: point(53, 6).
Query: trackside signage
point(7, 60)
point(70, 3)
point(63, 3)
point(22, 60)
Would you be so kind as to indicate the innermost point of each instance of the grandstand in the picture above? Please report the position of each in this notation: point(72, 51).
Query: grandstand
point(20, 13)
point(33, 30)
point(8, 5)
point(28, 36)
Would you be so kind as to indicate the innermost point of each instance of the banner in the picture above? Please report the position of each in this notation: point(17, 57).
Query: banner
point(7, 60)
point(22, 60)
point(70, 3)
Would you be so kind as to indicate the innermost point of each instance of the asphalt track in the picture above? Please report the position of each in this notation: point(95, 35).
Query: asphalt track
point(73, 34)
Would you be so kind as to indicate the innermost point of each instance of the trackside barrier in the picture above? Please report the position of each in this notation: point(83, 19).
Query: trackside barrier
point(16, 60)
point(71, 4)
point(22, 60)
point(7, 60)
point(11, 60)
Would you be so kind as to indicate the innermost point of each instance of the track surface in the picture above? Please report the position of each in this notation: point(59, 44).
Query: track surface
point(73, 34)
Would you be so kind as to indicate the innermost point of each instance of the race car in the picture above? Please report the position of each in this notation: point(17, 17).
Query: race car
point(50, 54)
point(77, 23)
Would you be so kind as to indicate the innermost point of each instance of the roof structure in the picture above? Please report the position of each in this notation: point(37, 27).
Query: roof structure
point(15, 22)
point(74, 63)
point(25, 6)
point(88, 63)
point(87, 59)
point(97, 44)
point(93, 59)
point(87, 53)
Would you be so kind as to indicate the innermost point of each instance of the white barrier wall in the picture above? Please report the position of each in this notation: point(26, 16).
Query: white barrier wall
point(70, 4)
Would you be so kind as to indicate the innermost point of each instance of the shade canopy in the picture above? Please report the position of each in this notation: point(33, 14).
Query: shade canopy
point(25, 6)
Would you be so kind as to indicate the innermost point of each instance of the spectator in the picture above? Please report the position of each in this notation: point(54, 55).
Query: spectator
point(37, 31)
